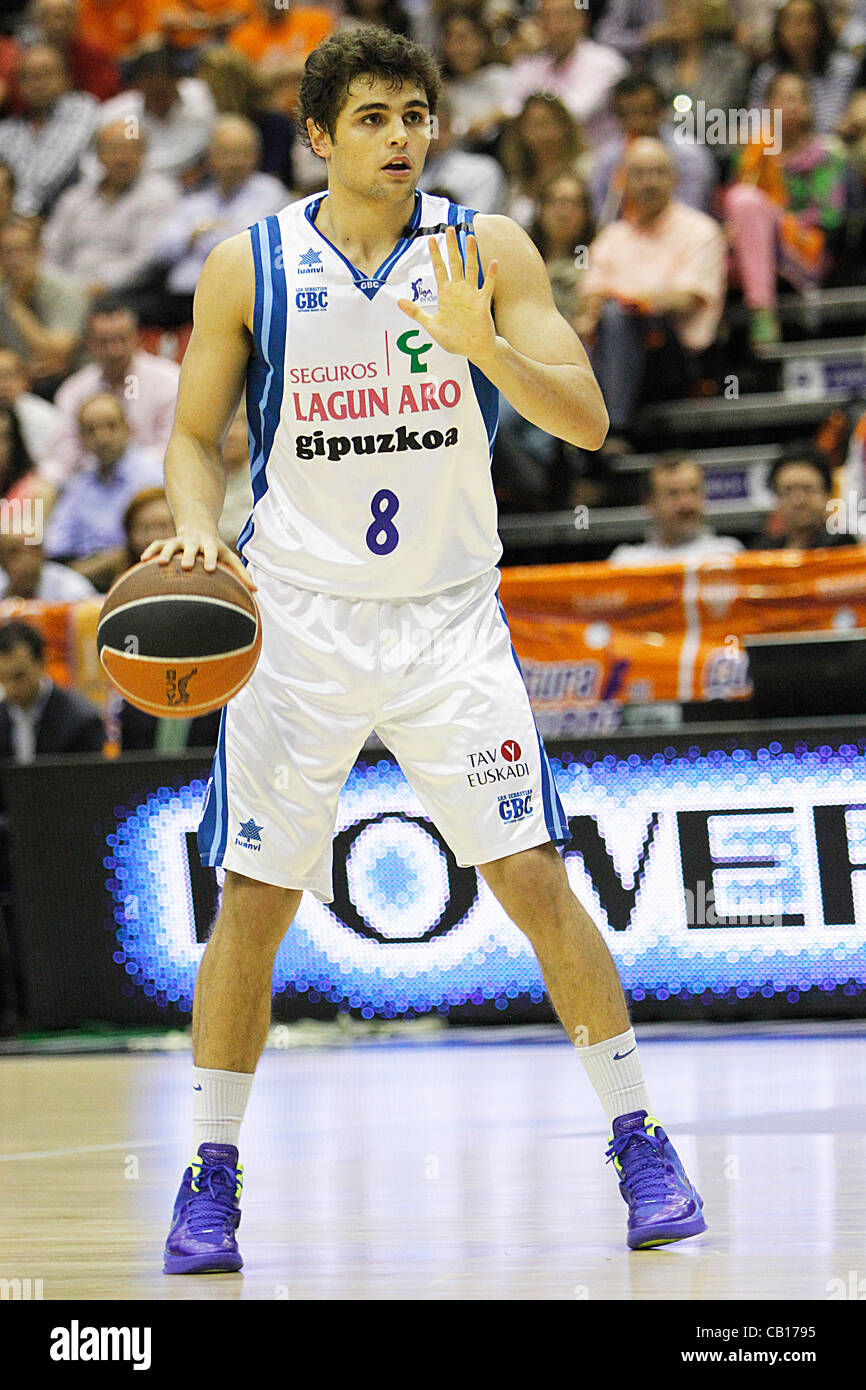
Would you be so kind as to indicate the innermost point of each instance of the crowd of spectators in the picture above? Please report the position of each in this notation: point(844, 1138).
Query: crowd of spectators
point(135, 135)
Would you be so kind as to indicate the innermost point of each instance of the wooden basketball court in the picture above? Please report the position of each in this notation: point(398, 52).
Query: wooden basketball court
point(467, 1168)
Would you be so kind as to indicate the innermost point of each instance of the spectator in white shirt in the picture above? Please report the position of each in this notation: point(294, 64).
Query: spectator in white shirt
point(237, 197)
point(579, 71)
point(46, 142)
point(19, 482)
point(86, 524)
point(476, 86)
point(639, 105)
point(475, 180)
point(101, 230)
point(678, 532)
point(543, 140)
point(144, 383)
point(26, 574)
point(804, 42)
point(39, 419)
point(42, 309)
point(177, 114)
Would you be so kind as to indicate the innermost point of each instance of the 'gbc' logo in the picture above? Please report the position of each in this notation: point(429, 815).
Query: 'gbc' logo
point(416, 353)
point(516, 806)
point(308, 300)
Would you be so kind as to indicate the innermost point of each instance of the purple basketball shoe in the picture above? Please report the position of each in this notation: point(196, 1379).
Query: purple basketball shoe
point(663, 1206)
point(206, 1215)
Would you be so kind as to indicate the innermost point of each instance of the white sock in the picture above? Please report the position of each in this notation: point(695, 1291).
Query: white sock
point(219, 1099)
point(614, 1069)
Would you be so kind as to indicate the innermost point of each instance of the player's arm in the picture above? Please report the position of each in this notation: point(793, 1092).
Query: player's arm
point(212, 376)
point(537, 360)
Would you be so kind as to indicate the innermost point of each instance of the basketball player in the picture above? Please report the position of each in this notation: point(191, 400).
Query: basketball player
point(373, 326)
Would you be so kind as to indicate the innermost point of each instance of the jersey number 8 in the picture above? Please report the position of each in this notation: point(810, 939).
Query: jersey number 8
point(382, 535)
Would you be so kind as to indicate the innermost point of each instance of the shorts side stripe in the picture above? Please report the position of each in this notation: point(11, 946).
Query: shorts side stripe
point(213, 827)
point(554, 814)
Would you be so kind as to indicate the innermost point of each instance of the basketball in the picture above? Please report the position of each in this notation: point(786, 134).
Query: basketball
point(179, 642)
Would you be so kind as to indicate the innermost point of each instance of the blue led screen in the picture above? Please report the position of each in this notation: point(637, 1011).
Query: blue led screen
point(715, 873)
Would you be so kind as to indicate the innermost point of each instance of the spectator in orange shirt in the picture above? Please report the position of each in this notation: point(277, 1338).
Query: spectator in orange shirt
point(10, 56)
point(281, 37)
point(116, 26)
point(193, 23)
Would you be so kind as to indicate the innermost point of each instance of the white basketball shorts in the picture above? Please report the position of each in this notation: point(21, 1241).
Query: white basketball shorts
point(439, 682)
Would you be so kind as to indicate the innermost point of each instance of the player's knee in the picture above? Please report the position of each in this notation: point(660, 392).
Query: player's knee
point(261, 911)
point(531, 876)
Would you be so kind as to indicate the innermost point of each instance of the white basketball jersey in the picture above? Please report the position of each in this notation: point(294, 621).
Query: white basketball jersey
point(370, 445)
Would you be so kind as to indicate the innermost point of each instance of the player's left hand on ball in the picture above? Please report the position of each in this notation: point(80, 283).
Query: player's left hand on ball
point(463, 322)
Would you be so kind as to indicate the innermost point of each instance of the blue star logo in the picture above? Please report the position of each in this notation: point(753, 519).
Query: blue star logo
point(250, 830)
point(310, 259)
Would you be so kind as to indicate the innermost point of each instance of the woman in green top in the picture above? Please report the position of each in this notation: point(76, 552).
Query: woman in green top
point(787, 206)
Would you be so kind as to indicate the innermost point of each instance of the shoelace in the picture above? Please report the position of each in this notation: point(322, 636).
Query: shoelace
point(647, 1170)
point(214, 1209)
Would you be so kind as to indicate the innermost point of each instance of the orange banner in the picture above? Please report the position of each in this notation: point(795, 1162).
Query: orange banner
point(597, 633)
point(69, 633)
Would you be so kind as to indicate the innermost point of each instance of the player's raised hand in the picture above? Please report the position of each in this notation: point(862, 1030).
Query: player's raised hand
point(463, 322)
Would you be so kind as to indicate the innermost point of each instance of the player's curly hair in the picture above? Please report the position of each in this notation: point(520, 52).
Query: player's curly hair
point(333, 65)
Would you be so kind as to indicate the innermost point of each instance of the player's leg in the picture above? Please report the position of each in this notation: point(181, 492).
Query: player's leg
point(287, 742)
point(464, 734)
point(232, 1004)
point(581, 978)
point(584, 988)
point(231, 1014)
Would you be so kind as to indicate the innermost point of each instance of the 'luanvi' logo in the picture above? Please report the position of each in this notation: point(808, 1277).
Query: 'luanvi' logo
point(416, 353)
point(176, 692)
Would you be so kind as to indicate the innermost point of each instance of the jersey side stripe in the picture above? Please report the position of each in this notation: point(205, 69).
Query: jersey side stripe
point(257, 376)
point(265, 375)
point(264, 342)
point(485, 392)
point(277, 329)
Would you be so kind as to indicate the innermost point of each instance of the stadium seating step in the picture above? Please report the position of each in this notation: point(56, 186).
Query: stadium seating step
point(609, 526)
point(727, 457)
point(759, 410)
point(845, 303)
point(818, 349)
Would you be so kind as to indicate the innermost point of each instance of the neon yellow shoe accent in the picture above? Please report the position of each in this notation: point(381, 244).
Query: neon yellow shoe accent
point(650, 1124)
point(195, 1165)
